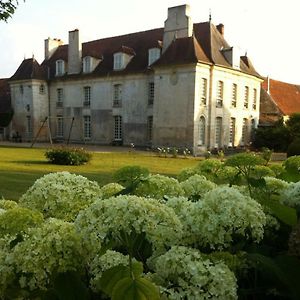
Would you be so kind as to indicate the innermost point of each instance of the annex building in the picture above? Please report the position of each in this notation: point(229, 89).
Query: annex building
point(181, 85)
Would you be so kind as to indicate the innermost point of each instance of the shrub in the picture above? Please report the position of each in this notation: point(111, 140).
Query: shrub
point(266, 154)
point(110, 189)
point(292, 164)
point(127, 175)
point(186, 173)
point(68, 156)
point(294, 147)
point(261, 171)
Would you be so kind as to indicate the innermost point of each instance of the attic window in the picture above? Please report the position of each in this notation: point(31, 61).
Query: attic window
point(60, 67)
point(153, 55)
point(119, 61)
point(87, 64)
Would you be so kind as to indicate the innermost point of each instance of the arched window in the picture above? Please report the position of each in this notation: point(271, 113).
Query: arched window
point(201, 131)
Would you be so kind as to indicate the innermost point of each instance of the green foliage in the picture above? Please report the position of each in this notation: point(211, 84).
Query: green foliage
point(128, 175)
point(293, 125)
point(5, 118)
point(266, 154)
point(294, 147)
point(292, 164)
point(68, 156)
point(7, 8)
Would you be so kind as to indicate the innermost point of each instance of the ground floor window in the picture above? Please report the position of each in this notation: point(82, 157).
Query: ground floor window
point(231, 132)
point(118, 130)
point(244, 132)
point(150, 128)
point(201, 131)
point(60, 126)
point(218, 132)
point(29, 124)
point(87, 130)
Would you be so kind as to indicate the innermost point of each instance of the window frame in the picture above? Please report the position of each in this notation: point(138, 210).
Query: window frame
point(246, 97)
point(59, 67)
point(202, 131)
point(203, 91)
point(87, 127)
point(87, 95)
point(153, 55)
point(220, 94)
point(118, 128)
point(151, 92)
point(117, 95)
point(119, 61)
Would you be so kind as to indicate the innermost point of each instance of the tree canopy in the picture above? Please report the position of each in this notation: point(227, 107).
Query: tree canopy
point(7, 9)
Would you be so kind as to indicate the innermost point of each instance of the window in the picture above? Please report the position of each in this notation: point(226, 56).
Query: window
point(246, 97)
point(150, 93)
point(234, 95)
point(118, 61)
point(87, 131)
point(218, 132)
point(87, 96)
point(231, 132)
point(203, 91)
point(153, 55)
point(244, 132)
point(201, 131)
point(60, 97)
point(117, 96)
point(60, 67)
point(118, 132)
point(219, 102)
point(254, 99)
point(29, 124)
point(149, 128)
point(60, 126)
point(87, 64)
point(42, 89)
point(21, 89)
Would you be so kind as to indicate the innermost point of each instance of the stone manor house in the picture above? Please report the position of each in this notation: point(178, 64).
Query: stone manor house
point(181, 85)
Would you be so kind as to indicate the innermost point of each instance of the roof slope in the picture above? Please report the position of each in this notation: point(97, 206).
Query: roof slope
point(29, 69)
point(5, 101)
point(285, 95)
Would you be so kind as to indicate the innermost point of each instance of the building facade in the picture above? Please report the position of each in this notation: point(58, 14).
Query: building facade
point(181, 85)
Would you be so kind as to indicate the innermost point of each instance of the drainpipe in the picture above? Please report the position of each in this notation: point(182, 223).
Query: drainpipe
point(210, 107)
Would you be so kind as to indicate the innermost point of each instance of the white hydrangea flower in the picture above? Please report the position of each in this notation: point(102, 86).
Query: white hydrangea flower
point(53, 248)
point(158, 186)
point(8, 204)
point(275, 185)
point(111, 189)
point(183, 273)
point(102, 263)
point(106, 219)
point(224, 213)
point(61, 195)
point(291, 195)
point(196, 186)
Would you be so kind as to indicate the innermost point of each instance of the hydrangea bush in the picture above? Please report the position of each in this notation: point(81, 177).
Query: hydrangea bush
point(111, 189)
point(61, 195)
point(290, 196)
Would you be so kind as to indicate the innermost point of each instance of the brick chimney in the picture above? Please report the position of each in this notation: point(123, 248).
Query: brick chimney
point(50, 46)
point(220, 28)
point(178, 24)
point(74, 52)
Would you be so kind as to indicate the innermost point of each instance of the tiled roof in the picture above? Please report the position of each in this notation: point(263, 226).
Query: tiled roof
point(205, 46)
point(29, 69)
point(286, 96)
point(5, 102)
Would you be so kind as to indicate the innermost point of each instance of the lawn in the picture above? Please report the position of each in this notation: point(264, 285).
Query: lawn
point(20, 167)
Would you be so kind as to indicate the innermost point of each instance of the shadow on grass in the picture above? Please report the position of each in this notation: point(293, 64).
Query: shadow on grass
point(30, 162)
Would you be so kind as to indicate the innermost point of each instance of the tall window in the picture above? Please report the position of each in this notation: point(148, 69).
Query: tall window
point(118, 130)
point(87, 96)
point(42, 89)
point(234, 95)
point(87, 64)
point(220, 87)
point(60, 126)
point(117, 96)
point(60, 67)
point(254, 99)
point(218, 132)
point(29, 124)
point(60, 97)
point(153, 55)
point(118, 61)
point(203, 91)
point(150, 93)
point(21, 89)
point(246, 97)
point(244, 132)
point(201, 131)
point(149, 128)
point(87, 130)
point(231, 132)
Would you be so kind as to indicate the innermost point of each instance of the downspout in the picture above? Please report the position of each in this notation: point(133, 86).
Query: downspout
point(210, 107)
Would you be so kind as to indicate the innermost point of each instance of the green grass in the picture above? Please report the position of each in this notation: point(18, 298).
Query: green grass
point(20, 167)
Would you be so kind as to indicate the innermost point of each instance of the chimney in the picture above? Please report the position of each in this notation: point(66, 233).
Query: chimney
point(178, 24)
point(220, 28)
point(74, 52)
point(50, 46)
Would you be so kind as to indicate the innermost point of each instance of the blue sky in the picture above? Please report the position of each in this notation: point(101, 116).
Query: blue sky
point(268, 30)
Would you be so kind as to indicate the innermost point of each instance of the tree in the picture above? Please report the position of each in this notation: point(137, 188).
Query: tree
point(293, 125)
point(7, 8)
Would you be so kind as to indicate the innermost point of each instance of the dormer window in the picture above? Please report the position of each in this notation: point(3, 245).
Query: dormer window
point(119, 60)
point(60, 67)
point(153, 55)
point(87, 64)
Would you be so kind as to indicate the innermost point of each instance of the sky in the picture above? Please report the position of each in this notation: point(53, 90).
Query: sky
point(267, 30)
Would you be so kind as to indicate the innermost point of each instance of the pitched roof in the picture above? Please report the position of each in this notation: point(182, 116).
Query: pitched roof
point(29, 69)
point(286, 96)
point(5, 101)
point(205, 46)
